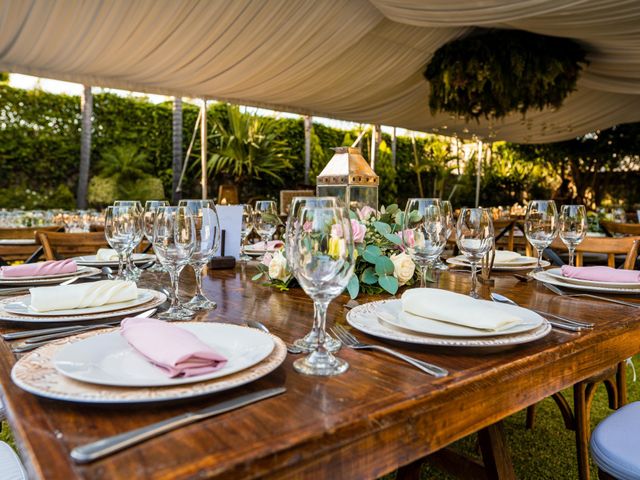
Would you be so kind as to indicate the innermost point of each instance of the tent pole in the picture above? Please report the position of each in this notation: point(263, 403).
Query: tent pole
point(374, 147)
point(479, 171)
point(307, 148)
point(203, 148)
point(394, 147)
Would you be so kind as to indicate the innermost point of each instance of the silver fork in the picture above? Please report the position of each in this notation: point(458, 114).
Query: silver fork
point(562, 293)
point(352, 342)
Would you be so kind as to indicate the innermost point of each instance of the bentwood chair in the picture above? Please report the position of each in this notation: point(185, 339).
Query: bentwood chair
point(614, 444)
point(58, 246)
point(614, 377)
point(12, 252)
point(613, 228)
point(600, 245)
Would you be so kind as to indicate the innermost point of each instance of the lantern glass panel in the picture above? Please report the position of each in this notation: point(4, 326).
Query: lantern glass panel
point(361, 195)
point(339, 191)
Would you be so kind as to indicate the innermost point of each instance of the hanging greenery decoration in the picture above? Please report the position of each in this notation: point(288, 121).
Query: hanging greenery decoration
point(492, 73)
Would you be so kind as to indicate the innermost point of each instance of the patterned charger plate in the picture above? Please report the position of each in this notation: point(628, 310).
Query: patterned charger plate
point(365, 318)
point(36, 373)
point(48, 279)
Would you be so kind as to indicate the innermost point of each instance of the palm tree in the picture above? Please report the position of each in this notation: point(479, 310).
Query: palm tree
point(86, 108)
point(177, 148)
point(246, 146)
point(125, 163)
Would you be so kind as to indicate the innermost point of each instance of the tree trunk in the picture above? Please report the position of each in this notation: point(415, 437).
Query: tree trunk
point(177, 149)
point(86, 111)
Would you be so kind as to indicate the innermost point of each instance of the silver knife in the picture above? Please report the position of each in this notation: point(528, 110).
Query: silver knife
point(96, 450)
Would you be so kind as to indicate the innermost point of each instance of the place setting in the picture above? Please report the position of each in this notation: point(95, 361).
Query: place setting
point(504, 260)
point(21, 277)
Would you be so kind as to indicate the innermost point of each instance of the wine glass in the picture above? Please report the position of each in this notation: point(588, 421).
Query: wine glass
point(573, 227)
point(541, 226)
point(120, 229)
point(447, 212)
point(323, 262)
point(207, 240)
point(266, 220)
point(474, 236)
point(307, 343)
point(424, 233)
point(148, 219)
point(132, 271)
point(174, 240)
point(247, 227)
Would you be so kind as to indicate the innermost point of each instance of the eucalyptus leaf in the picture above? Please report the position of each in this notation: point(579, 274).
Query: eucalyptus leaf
point(382, 228)
point(353, 287)
point(257, 276)
point(384, 266)
point(393, 238)
point(389, 283)
point(369, 276)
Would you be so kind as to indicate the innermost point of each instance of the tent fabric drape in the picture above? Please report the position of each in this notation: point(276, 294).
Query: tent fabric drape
point(359, 60)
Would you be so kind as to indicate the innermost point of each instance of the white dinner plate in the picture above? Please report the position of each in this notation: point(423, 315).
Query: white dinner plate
point(81, 270)
point(523, 263)
point(92, 260)
point(557, 273)
point(156, 299)
point(48, 279)
point(17, 241)
point(35, 373)
point(21, 306)
point(392, 314)
point(108, 359)
point(365, 318)
point(562, 282)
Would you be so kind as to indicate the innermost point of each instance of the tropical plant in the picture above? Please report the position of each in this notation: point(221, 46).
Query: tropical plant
point(247, 146)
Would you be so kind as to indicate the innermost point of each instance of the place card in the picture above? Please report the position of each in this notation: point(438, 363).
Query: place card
point(230, 217)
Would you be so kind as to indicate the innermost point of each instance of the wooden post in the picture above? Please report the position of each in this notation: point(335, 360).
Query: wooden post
point(86, 112)
point(177, 149)
point(374, 146)
point(479, 171)
point(203, 149)
point(307, 148)
point(394, 146)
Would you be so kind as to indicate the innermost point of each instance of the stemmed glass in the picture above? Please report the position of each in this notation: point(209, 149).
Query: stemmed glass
point(424, 233)
point(323, 262)
point(541, 226)
point(573, 227)
point(207, 230)
point(247, 227)
point(266, 220)
point(149, 216)
point(132, 271)
point(447, 212)
point(474, 236)
point(307, 343)
point(121, 227)
point(174, 240)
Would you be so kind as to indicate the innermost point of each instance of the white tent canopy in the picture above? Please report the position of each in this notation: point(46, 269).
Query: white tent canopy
point(359, 60)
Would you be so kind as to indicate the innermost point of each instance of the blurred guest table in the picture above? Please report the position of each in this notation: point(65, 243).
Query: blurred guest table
point(380, 415)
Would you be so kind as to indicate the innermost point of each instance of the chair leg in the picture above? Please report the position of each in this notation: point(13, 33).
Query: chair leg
point(495, 453)
point(621, 384)
point(531, 416)
point(602, 475)
point(582, 397)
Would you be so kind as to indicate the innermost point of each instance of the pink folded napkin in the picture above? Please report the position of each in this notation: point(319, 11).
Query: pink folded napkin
point(272, 245)
point(176, 351)
point(601, 274)
point(52, 267)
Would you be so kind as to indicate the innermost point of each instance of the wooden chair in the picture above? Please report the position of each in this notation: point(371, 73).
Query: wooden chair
point(12, 253)
point(64, 245)
point(613, 228)
point(614, 377)
point(504, 231)
point(604, 245)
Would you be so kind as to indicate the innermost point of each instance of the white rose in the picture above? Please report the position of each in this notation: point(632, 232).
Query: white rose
point(403, 267)
point(278, 267)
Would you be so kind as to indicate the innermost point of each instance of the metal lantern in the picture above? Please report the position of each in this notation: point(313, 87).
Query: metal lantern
point(349, 177)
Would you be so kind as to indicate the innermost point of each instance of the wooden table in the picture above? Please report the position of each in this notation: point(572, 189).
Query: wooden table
point(379, 415)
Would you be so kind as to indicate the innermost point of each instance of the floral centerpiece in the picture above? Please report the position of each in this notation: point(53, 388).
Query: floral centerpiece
point(382, 265)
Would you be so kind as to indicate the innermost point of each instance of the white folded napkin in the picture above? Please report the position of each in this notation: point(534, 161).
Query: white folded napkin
point(450, 307)
point(106, 255)
point(68, 297)
point(506, 256)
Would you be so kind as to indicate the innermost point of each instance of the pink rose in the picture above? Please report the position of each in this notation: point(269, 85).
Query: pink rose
point(365, 212)
point(358, 230)
point(307, 226)
point(266, 260)
point(407, 237)
point(336, 230)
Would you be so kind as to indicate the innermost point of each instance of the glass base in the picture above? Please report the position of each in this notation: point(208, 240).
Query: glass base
point(321, 364)
point(440, 265)
point(156, 267)
point(474, 294)
point(308, 343)
point(200, 302)
point(177, 313)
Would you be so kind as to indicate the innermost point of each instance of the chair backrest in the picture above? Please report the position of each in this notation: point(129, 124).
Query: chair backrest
point(621, 228)
point(59, 245)
point(606, 245)
point(13, 233)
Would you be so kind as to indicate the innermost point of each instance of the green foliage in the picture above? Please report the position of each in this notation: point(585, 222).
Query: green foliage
point(24, 198)
point(4, 77)
point(495, 72)
point(102, 191)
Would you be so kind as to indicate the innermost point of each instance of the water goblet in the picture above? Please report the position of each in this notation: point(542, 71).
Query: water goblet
point(573, 227)
point(541, 226)
point(266, 220)
point(149, 216)
point(447, 212)
point(323, 262)
point(120, 230)
point(246, 229)
point(424, 233)
point(307, 343)
point(474, 237)
point(207, 240)
point(132, 271)
point(174, 240)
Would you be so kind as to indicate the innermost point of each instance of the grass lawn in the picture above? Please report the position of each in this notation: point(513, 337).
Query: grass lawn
point(546, 452)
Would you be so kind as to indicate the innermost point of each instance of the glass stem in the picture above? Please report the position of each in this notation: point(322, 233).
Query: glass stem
point(571, 253)
point(540, 252)
point(174, 274)
point(199, 269)
point(320, 309)
point(121, 260)
point(474, 278)
point(423, 276)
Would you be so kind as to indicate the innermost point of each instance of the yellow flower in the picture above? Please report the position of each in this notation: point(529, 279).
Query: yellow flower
point(337, 247)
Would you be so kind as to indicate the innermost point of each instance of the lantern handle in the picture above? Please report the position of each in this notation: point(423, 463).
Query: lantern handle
point(355, 144)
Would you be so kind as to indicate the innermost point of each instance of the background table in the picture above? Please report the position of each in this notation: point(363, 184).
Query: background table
point(379, 415)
